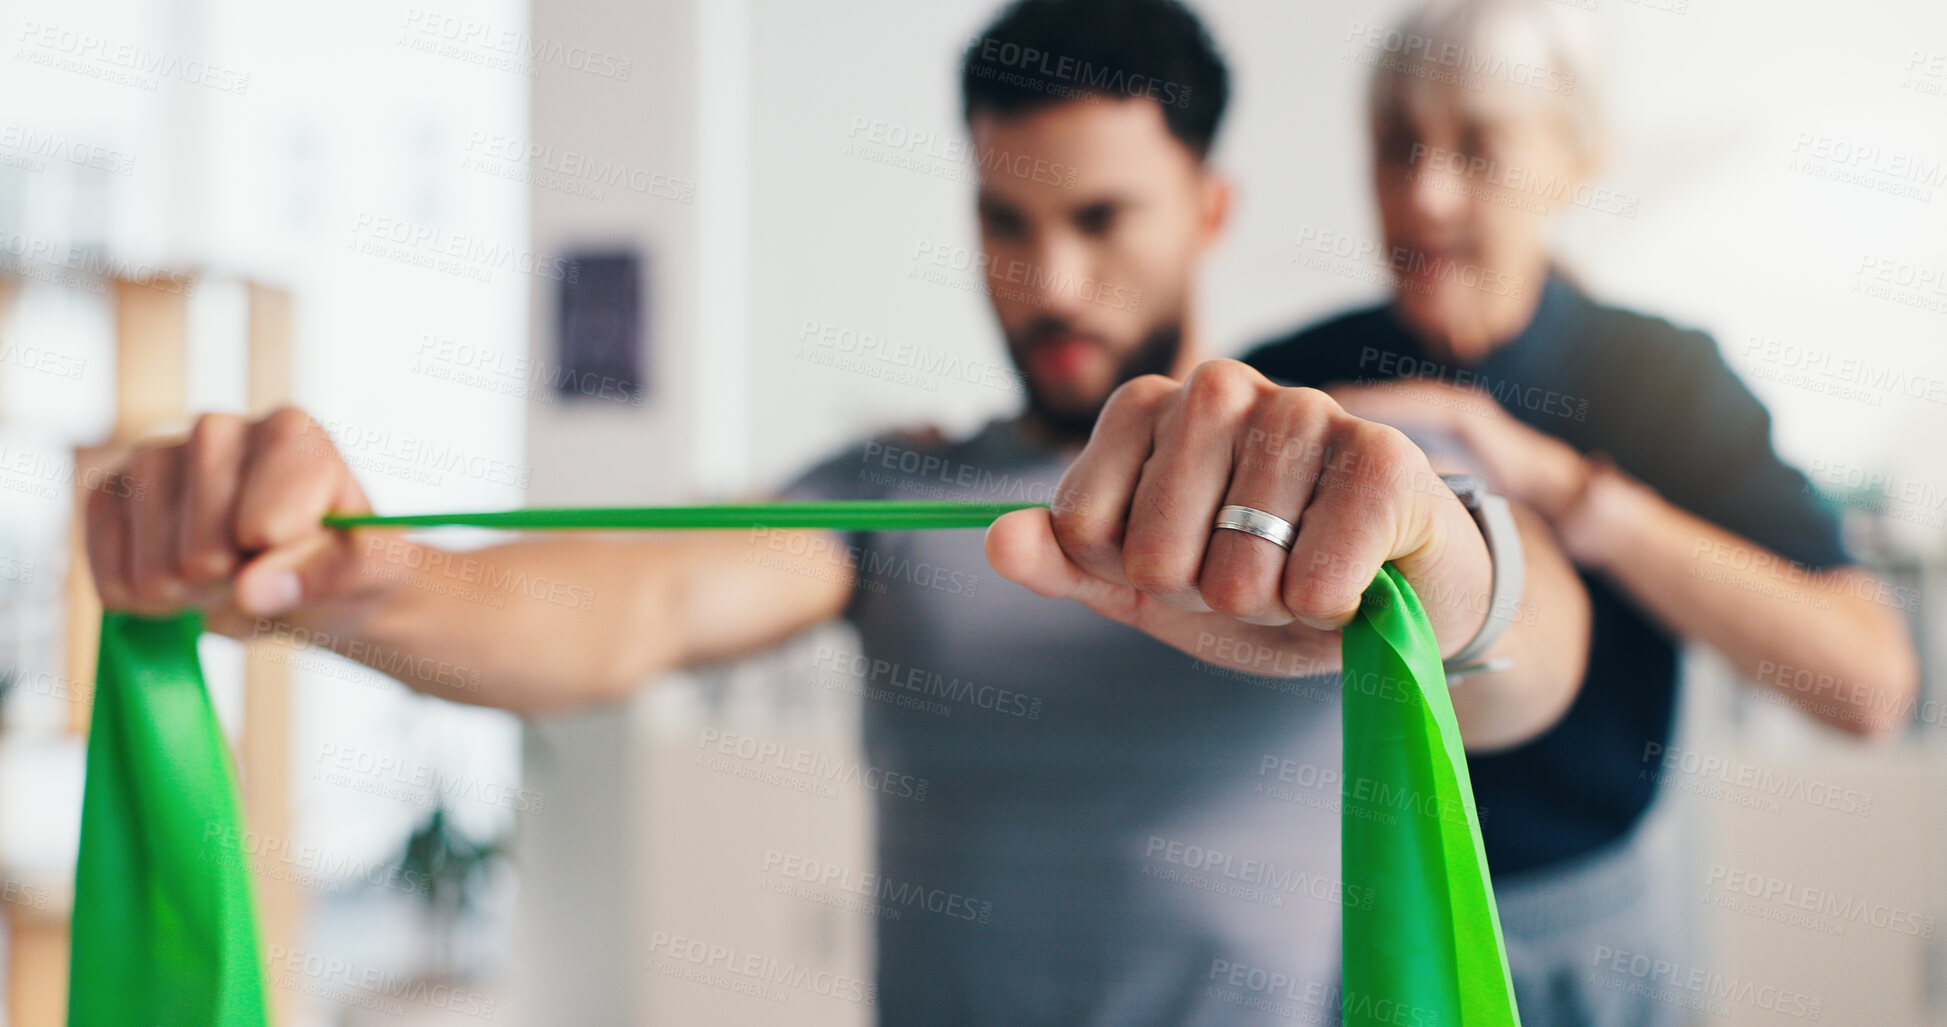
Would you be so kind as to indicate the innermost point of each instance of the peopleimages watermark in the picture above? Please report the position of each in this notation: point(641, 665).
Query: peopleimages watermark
point(29, 149)
point(568, 171)
point(1839, 374)
point(1836, 698)
point(900, 361)
point(946, 155)
point(1762, 787)
point(1795, 581)
point(308, 866)
point(20, 893)
point(383, 451)
point(1366, 259)
point(1285, 995)
point(477, 42)
point(44, 475)
point(388, 660)
point(894, 895)
point(467, 576)
point(415, 782)
point(1012, 279)
point(1925, 73)
point(537, 381)
point(1065, 76)
point(84, 268)
point(1387, 366)
point(1871, 167)
point(1510, 185)
point(1905, 282)
point(16, 568)
point(1799, 905)
point(1695, 987)
point(1366, 798)
point(930, 683)
point(119, 61)
point(344, 982)
point(766, 761)
point(453, 253)
point(54, 686)
point(746, 972)
point(43, 360)
point(871, 564)
point(1881, 492)
point(1243, 877)
point(912, 468)
point(1450, 61)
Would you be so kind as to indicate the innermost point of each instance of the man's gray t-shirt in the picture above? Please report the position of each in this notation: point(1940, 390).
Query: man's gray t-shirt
point(1133, 836)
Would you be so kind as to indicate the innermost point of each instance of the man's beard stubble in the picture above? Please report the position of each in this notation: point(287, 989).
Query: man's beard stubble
point(1156, 354)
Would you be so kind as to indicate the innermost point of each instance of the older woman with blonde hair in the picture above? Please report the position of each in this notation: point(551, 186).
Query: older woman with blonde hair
point(1643, 451)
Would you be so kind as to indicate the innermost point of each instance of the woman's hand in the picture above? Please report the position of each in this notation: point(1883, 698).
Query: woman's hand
point(1520, 463)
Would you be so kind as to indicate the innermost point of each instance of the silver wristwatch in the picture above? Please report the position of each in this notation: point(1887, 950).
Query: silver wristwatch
point(1504, 550)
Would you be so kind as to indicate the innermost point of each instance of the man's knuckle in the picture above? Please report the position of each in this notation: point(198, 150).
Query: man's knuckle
point(289, 426)
point(214, 428)
point(1136, 397)
point(147, 472)
point(1313, 402)
point(1310, 602)
point(1153, 570)
point(1220, 387)
point(153, 577)
point(1084, 532)
point(1385, 453)
point(205, 561)
point(1231, 595)
point(1286, 426)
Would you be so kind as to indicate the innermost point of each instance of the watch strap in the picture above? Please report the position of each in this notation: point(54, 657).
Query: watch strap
point(1503, 538)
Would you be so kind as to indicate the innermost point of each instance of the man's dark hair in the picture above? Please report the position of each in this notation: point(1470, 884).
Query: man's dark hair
point(1039, 53)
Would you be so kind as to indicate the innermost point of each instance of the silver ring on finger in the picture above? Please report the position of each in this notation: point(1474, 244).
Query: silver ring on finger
point(1252, 521)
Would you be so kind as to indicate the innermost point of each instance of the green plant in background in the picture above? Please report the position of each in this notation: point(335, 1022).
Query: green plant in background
point(451, 871)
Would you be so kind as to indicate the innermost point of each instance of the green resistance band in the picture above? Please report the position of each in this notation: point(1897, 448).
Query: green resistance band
point(836, 514)
point(1428, 949)
point(165, 935)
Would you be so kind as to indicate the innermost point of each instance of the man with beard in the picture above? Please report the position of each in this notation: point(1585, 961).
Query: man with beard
point(1131, 744)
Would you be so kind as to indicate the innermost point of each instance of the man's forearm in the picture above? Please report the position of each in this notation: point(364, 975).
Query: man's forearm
point(1772, 618)
point(557, 621)
point(527, 626)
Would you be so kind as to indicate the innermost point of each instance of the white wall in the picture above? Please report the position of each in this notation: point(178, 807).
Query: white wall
point(1706, 105)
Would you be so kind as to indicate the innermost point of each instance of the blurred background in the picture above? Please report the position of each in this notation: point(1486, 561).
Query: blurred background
point(393, 215)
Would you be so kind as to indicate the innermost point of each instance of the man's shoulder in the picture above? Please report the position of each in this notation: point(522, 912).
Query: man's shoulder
point(864, 467)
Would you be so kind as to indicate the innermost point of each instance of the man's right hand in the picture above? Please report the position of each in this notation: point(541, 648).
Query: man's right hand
point(228, 520)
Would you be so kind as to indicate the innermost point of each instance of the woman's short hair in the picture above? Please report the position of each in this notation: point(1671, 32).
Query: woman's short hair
point(1536, 48)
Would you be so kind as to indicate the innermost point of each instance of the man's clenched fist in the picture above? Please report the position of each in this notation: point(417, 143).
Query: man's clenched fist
point(1131, 532)
point(228, 520)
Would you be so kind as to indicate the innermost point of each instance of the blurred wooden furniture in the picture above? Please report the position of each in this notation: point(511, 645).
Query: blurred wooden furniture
point(151, 324)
